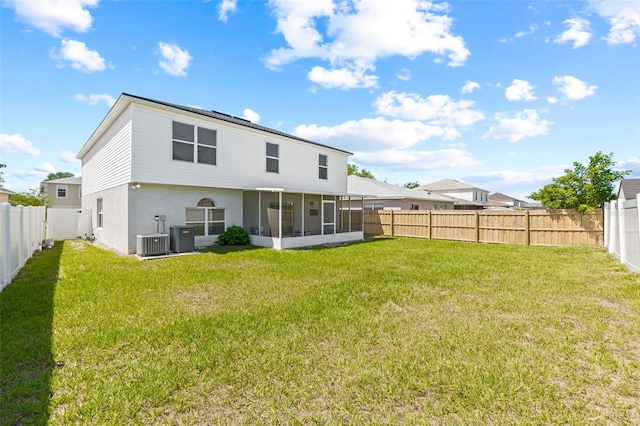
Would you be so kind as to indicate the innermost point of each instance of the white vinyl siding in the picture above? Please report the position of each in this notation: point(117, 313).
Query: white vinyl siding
point(108, 163)
point(240, 157)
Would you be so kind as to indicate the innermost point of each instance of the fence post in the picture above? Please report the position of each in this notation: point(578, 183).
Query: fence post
point(21, 259)
point(430, 225)
point(606, 211)
point(622, 237)
point(477, 227)
point(5, 242)
point(391, 222)
point(527, 228)
point(614, 230)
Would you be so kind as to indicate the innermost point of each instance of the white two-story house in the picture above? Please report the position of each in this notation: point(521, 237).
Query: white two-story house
point(151, 165)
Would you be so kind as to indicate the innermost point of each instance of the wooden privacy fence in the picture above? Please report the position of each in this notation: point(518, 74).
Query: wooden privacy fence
point(535, 227)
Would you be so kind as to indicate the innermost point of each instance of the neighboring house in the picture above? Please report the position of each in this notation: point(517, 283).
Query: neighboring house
point(501, 200)
point(151, 165)
point(629, 188)
point(64, 193)
point(467, 197)
point(4, 195)
point(386, 196)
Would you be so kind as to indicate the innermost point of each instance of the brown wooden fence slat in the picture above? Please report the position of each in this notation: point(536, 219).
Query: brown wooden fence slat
point(535, 227)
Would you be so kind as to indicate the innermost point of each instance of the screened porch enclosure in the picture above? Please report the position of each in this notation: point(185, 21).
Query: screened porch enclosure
point(280, 219)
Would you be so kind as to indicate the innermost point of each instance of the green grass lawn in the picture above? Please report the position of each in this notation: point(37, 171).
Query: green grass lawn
point(390, 331)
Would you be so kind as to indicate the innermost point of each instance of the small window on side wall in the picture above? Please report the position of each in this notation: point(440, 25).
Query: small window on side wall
point(323, 167)
point(100, 216)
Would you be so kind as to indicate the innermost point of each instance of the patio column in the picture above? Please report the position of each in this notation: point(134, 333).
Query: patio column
point(260, 213)
point(280, 215)
point(302, 217)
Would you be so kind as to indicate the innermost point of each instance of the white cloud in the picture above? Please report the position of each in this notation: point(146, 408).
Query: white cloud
point(345, 38)
point(174, 61)
point(46, 167)
point(342, 78)
point(80, 57)
point(67, 156)
point(416, 160)
point(38, 173)
point(532, 29)
point(517, 177)
point(579, 33)
point(372, 134)
point(573, 88)
point(525, 124)
point(516, 183)
point(552, 99)
point(469, 86)
point(623, 16)
point(438, 109)
point(632, 163)
point(520, 90)
point(226, 6)
point(53, 16)
point(17, 143)
point(250, 115)
point(404, 75)
point(94, 98)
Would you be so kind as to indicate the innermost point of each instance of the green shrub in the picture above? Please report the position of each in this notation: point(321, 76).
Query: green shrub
point(234, 236)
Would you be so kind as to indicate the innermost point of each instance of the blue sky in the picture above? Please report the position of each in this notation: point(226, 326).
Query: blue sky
point(503, 95)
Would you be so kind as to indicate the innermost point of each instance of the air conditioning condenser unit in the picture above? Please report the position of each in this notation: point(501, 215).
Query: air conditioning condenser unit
point(182, 239)
point(152, 244)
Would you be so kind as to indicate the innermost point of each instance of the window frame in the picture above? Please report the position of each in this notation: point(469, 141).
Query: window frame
point(323, 167)
point(99, 213)
point(275, 159)
point(65, 188)
point(208, 217)
point(195, 144)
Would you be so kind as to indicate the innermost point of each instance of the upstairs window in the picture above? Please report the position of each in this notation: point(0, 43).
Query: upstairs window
point(207, 140)
point(273, 158)
point(194, 146)
point(323, 167)
point(61, 191)
point(183, 141)
point(414, 207)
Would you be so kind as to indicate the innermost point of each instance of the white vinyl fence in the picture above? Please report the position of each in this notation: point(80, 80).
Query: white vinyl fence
point(622, 231)
point(65, 224)
point(21, 233)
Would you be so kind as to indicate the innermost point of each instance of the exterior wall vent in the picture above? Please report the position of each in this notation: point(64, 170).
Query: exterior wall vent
point(152, 244)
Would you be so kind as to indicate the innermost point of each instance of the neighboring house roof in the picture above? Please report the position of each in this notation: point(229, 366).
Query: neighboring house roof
point(125, 99)
point(448, 185)
point(374, 188)
point(6, 191)
point(500, 197)
point(66, 181)
point(630, 188)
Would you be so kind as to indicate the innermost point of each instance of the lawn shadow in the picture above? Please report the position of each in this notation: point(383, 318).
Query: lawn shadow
point(228, 249)
point(369, 239)
point(26, 317)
